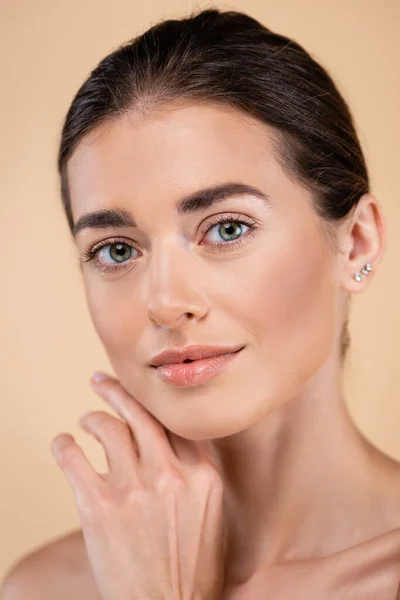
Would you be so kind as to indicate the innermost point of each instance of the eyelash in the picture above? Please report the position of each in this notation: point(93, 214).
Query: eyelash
point(89, 254)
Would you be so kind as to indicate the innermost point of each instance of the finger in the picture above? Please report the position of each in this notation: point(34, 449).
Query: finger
point(152, 443)
point(116, 438)
point(206, 450)
point(185, 450)
point(78, 471)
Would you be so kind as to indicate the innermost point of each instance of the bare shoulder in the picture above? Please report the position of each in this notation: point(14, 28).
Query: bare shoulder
point(57, 570)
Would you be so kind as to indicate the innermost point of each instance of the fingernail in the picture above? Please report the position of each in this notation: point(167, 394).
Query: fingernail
point(59, 442)
point(98, 376)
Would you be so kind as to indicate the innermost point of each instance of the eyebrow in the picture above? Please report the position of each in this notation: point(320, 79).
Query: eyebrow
point(195, 202)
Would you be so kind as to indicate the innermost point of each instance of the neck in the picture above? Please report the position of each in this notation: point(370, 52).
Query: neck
point(303, 482)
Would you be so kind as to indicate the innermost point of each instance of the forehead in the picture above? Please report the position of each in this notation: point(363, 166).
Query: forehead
point(167, 153)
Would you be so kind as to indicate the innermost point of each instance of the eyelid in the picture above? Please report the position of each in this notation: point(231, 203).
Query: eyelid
point(222, 217)
point(107, 242)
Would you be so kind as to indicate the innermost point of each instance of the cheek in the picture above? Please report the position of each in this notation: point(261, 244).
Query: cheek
point(116, 318)
point(290, 300)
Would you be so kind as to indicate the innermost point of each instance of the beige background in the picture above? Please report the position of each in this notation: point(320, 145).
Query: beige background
point(49, 348)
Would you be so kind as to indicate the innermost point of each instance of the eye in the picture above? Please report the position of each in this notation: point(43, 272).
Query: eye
point(227, 230)
point(119, 251)
point(230, 230)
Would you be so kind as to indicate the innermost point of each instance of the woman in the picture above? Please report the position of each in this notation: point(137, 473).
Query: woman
point(218, 196)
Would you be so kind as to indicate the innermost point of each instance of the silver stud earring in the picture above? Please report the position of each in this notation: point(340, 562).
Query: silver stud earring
point(364, 271)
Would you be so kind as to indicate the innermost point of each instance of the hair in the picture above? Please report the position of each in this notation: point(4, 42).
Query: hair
point(230, 58)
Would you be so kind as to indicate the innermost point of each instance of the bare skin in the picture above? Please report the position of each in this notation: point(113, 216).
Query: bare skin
point(313, 508)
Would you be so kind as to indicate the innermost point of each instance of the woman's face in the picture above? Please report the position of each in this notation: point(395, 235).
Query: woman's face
point(183, 279)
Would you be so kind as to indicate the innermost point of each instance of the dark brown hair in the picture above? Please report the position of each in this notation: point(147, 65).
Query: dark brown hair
point(231, 58)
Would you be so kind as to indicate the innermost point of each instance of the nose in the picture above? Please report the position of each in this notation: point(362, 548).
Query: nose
point(174, 294)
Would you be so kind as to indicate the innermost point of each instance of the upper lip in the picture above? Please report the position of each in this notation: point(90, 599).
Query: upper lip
point(190, 352)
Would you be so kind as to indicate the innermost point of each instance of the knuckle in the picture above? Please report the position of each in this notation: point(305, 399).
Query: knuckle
point(95, 417)
point(208, 472)
point(96, 506)
point(207, 467)
point(94, 511)
point(170, 479)
point(107, 423)
point(114, 428)
point(127, 488)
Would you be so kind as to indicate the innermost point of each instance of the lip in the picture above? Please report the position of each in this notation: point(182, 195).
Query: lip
point(194, 353)
point(196, 372)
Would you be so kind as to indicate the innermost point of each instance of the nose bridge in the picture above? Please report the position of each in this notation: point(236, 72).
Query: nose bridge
point(174, 283)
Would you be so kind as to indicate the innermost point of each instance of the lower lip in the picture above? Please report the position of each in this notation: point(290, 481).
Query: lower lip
point(198, 371)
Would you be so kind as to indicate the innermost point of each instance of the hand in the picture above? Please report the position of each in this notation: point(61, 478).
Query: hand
point(153, 525)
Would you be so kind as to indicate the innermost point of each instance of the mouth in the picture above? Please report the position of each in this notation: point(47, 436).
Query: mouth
point(196, 360)
point(191, 372)
point(190, 354)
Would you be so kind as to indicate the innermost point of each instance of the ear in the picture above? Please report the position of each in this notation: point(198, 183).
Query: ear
point(364, 241)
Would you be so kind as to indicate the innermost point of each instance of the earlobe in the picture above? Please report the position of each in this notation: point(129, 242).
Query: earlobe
point(352, 285)
point(364, 271)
